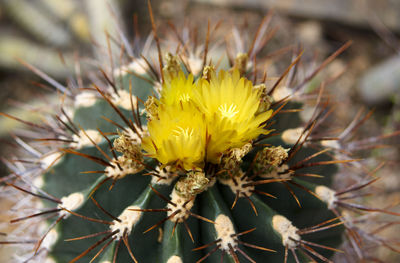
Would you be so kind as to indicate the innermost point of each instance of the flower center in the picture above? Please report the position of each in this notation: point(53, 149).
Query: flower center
point(184, 97)
point(228, 112)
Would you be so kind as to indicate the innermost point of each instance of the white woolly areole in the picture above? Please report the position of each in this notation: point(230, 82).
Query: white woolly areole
point(183, 210)
point(38, 182)
point(224, 227)
point(116, 173)
point(50, 239)
point(327, 195)
point(50, 160)
point(69, 111)
point(82, 140)
point(239, 186)
point(122, 99)
point(128, 220)
point(174, 259)
point(281, 93)
point(287, 231)
point(290, 136)
point(71, 203)
point(85, 99)
point(138, 66)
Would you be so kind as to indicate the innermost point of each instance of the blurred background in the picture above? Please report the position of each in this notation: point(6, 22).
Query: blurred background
point(49, 34)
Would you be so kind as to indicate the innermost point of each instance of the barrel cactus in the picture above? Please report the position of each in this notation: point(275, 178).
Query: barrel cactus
point(187, 157)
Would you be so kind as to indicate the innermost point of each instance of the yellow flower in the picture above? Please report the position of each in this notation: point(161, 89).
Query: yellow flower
point(177, 136)
point(200, 121)
point(230, 104)
point(177, 90)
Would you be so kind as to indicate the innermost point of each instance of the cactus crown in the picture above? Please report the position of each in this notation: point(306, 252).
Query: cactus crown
point(195, 123)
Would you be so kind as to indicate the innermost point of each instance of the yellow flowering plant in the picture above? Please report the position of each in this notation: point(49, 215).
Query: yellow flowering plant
point(175, 161)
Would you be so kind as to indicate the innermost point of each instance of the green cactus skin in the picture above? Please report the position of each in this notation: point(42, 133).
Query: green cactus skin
point(134, 188)
point(217, 225)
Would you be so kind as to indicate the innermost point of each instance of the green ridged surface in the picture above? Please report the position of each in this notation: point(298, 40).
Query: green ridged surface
point(66, 177)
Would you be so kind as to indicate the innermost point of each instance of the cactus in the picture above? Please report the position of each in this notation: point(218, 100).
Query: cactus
point(183, 160)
